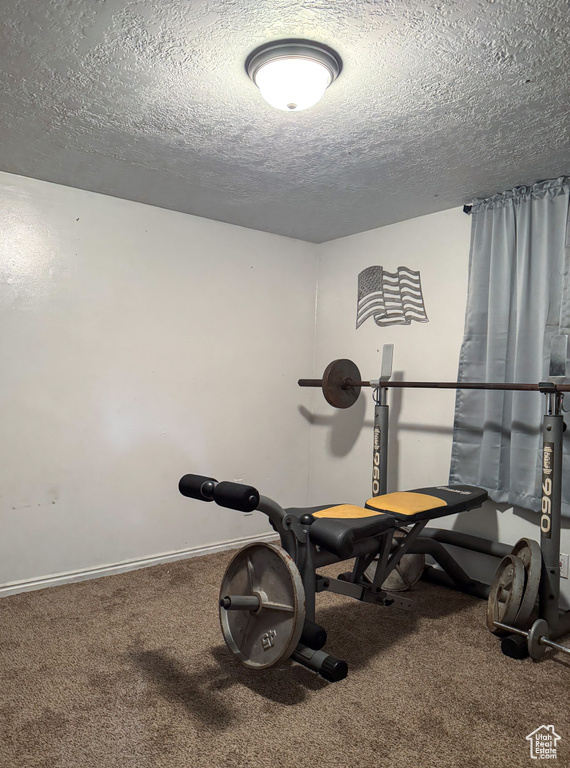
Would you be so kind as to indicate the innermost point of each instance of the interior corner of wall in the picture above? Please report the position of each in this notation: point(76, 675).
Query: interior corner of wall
point(318, 249)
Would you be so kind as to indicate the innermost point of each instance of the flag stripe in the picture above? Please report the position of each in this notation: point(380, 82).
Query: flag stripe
point(391, 298)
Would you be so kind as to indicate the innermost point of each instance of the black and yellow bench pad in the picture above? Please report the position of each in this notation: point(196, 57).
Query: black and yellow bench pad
point(423, 503)
point(338, 527)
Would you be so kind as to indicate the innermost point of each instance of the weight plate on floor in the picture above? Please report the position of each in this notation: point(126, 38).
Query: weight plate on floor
point(334, 378)
point(404, 576)
point(506, 593)
point(264, 637)
point(529, 552)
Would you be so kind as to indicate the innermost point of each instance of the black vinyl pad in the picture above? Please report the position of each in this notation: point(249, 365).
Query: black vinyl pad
point(338, 527)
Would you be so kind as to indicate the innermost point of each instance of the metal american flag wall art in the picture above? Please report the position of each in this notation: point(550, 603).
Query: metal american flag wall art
point(391, 298)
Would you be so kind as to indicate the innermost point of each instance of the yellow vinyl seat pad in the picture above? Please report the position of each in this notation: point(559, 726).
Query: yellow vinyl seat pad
point(339, 527)
point(428, 503)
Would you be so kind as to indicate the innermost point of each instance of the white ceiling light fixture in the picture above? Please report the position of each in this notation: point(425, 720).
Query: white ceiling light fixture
point(293, 74)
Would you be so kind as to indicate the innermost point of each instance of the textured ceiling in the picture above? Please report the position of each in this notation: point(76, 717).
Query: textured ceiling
point(439, 101)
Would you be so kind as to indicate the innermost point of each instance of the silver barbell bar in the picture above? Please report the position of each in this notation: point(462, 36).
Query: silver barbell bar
point(537, 638)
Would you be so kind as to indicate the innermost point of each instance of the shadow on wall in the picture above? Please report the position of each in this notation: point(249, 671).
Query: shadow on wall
point(345, 425)
point(483, 522)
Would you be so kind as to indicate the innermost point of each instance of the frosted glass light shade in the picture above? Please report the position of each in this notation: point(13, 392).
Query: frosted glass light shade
point(293, 74)
point(293, 84)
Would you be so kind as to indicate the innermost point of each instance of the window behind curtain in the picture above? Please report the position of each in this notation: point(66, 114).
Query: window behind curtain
point(518, 300)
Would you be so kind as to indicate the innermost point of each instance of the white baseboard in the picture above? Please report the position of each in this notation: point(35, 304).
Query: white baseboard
point(15, 587)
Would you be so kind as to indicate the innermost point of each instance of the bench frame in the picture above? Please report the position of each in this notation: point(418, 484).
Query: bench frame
point(385, 548)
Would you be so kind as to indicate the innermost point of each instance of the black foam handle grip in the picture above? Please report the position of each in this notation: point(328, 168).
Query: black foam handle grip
point(333, 669)
point(244, 498)
point(197, 487)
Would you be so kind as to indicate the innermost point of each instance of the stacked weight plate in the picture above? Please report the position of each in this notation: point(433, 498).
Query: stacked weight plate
point(514, 591)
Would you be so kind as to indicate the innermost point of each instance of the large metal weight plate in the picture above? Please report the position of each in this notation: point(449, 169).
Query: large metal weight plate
point(529, 552)
point(335, 390)
point(264, 637)
point(506, 593)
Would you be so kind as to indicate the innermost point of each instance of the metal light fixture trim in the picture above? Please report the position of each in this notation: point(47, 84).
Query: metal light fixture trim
point(294, 50)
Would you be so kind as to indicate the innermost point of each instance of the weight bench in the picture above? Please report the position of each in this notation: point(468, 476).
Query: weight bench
point(267, 596)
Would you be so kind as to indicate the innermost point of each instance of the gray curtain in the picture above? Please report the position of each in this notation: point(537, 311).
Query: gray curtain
point(518, 300)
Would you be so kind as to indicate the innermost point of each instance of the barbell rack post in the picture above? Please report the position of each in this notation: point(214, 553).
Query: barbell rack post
point(341, 384)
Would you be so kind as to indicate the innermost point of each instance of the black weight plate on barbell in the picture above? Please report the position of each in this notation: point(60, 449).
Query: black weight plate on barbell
point(334, 377)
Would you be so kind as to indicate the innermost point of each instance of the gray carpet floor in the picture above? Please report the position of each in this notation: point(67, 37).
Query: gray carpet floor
point(131, 671)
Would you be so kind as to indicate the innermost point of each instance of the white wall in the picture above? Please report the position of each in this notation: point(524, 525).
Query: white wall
point(138, 344)
point(132, 340)
point(420, 420)
point(437, 246)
